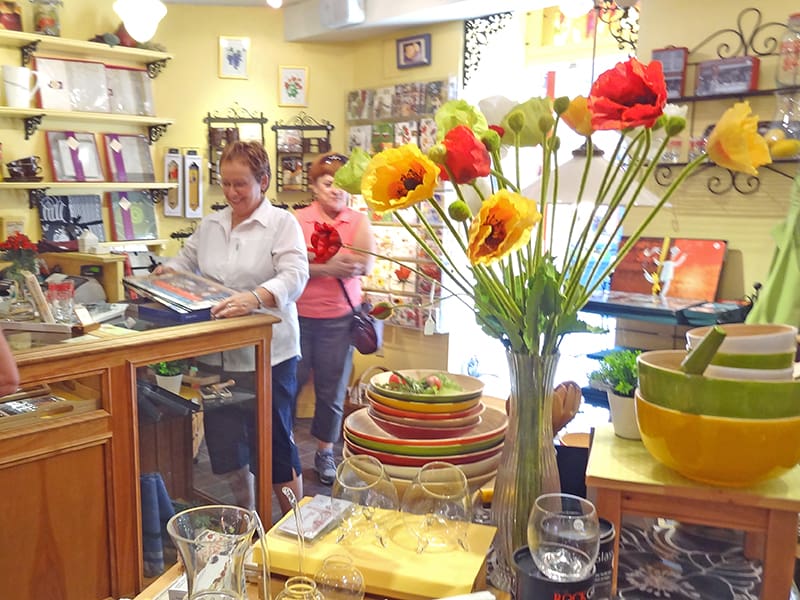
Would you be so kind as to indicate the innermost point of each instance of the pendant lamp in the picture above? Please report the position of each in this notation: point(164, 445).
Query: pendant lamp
point(140, 17)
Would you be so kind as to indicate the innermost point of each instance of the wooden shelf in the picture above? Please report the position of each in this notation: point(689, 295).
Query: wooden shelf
point(20, 39)
point(26, 113)
point(84, 186)
point(148, 243)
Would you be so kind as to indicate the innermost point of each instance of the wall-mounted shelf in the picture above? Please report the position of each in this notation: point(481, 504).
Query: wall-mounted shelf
point(38, 189)
point(223, 128)
point(149, 243)
point(295, 140)
point(32, 119)
point(29, 43)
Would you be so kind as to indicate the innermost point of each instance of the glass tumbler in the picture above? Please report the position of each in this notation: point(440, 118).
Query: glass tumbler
point(213, 542)
point(437, 507)
point(339, 579)
point(60, 296)
point(362, 481)
point(563, 536)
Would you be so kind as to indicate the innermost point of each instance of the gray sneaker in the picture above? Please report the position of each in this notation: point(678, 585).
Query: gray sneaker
point(325, 467)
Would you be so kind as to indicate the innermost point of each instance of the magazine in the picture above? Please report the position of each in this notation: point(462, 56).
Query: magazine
point(181, 291)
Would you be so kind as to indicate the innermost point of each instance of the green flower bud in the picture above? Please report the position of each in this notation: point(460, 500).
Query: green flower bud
point(438, 154)
point(561, 104)
point(660, 122)
point(491, 139)
point(554, 143)
point(516, 121)
point(675, 125)
point(459, 211)
point(546, 123)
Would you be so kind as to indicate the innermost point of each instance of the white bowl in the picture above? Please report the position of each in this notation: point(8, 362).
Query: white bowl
point(743, 338)
point(749, 374)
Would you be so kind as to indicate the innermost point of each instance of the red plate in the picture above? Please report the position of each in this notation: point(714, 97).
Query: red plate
point(419, 461)
point(428, 431)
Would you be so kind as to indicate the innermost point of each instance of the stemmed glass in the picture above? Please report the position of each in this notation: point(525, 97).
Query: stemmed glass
point(436, 507)
point(563, 536)
point(361, 480)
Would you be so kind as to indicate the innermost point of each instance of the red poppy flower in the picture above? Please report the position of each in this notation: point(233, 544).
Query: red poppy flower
point(497, 129)
point(467, 157)
point(325, 242)
point(403, 273)
point(629, 95)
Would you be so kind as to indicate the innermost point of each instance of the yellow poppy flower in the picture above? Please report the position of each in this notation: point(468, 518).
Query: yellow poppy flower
point(735, 144)
point(503, 225)
point(578, 116)
point(398, 178)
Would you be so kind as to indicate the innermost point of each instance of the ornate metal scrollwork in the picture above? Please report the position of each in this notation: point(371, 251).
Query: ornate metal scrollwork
point(154, 68)
point(157, 195)
point(303, 120)
point(623, 23)
point(156, 131)
point(32, 124)
point(27, 51)
point(477, 34)
point(35, 196)
point(750, 37)
point(719, 180)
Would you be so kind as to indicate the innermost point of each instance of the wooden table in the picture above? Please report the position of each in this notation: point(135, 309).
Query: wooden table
point(626, 479)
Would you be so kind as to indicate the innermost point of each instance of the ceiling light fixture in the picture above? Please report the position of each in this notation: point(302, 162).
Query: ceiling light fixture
point(275, 3)
point(140, 17)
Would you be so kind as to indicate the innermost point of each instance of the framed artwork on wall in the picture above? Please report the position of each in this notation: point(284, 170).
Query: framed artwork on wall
point(673, 60)
point(414, 51)
point(292, 86)
point(129, 158)
point(74, 156)
point(234, 54)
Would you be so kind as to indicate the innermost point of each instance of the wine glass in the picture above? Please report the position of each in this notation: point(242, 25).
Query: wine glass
point(339, 579)
point(436, 507)
point(563, 536)
point(361, 480)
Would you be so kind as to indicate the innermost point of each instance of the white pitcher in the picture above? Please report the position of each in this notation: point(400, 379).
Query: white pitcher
point(17, 82)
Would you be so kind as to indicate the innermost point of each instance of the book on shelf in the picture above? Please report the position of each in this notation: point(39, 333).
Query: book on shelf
point(181, 291)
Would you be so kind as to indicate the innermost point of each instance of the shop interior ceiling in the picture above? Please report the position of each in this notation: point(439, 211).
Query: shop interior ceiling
point(380, 16)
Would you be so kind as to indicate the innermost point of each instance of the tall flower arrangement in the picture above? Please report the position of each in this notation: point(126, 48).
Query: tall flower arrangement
point(524, 287)
point(21, 252)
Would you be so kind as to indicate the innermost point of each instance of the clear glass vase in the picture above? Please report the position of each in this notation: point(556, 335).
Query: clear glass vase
point(46, 16)
point(528, 466)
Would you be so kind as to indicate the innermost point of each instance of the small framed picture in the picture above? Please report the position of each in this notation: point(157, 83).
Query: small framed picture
point(73, 156)
point(673, 60)
point(234, 53)
point(129, 158)
point(292, 86)
point(173, 167)
point(414, 51)
point(133, 216)
point(727, 76)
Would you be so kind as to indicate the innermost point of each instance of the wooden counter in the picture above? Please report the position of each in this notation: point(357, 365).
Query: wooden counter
point(69, 485)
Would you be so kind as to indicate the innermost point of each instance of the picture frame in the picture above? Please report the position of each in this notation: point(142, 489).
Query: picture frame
point(673, 60)
point(234, 57)
point(74, 156)
point(173, 163)
point(128, 157)
point(133, 216)
point(292, 86)
point(727, 76)
point(413, 51)
point(192, 184)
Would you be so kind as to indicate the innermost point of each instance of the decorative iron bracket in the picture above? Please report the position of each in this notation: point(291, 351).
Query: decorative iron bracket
point(27, 51)
point(154, 68)
point(232, 116)
point(303, 121)
point(623, 23)
point(477, 34)
point(157, 195)
point(35, 196)
point(751, 37)
point(32, 124)
point(718, 182)
point(155, 132)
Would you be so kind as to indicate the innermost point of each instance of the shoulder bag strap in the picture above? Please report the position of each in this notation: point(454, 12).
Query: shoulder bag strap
point(346, 296)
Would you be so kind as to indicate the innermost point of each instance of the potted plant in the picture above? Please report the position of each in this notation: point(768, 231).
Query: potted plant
point(169, 374)
point(619, 375)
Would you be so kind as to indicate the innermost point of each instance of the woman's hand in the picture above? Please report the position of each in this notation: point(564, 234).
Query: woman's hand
point(343, 266)
point(162, 270)
point(238, 305)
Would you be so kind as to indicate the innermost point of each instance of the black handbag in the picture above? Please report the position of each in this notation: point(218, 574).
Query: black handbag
point(366, 332)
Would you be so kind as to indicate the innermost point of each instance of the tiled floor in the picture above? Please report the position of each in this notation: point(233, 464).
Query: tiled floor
point(218, 489)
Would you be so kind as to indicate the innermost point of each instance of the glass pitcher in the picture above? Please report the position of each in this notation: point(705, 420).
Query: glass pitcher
point(46, 17)
point(213, 542)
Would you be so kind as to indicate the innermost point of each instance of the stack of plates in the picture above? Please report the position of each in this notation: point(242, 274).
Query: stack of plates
point(406, 430)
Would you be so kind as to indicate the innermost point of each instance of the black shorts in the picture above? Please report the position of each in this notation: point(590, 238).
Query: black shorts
point(230, 431)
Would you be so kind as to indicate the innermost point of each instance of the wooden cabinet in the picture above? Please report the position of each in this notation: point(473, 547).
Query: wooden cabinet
point(69, 507)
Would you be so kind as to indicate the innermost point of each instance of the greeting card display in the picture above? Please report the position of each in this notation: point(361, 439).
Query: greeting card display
point(129, 158)
point(173, 161)
point(405, 132)
point(359, 105)
point(64, 218)
point(193, 184)
point(360, 136)
point(73, 156)
point(133, 216)
point(382, 103)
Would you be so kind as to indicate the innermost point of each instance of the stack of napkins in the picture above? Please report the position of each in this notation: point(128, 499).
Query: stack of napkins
point(396, 571)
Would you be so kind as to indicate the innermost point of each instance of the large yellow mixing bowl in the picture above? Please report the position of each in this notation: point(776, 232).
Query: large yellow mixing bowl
point(719, 450)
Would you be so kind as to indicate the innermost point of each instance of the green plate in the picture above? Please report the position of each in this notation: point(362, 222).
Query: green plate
point(424, 450)
point(471, 387)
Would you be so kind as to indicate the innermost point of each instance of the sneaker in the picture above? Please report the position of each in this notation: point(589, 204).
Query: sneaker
point(325, 467)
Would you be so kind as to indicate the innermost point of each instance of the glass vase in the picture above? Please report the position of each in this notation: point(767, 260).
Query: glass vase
point(46, 17)
point(528, 466)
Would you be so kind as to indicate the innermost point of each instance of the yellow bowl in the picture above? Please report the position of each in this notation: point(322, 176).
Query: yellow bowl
point(719, 450)
point(424, 407)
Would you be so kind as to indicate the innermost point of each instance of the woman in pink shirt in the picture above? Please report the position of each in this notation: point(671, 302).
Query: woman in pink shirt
point(325, 314)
